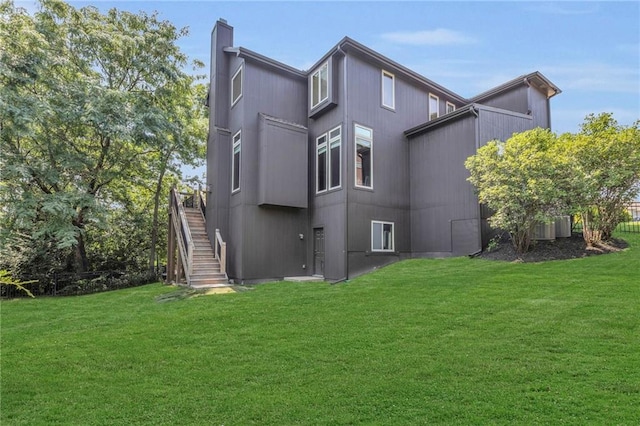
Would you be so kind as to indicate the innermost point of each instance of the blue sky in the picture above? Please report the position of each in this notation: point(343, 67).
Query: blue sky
point(591, 50)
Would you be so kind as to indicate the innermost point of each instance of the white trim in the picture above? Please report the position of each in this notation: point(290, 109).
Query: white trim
point(233, 169)
point(432, 96)
point(317, 72)
point(393, 236)
point(355, 148)
point(326, 151)
point(239, 71)
point(329, 169)
point(449, 104)
point(393, 89)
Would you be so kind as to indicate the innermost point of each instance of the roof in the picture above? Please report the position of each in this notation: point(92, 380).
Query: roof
point(535, 79)
point(469, 109)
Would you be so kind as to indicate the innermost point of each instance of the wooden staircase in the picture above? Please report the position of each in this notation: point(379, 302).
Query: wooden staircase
point(206, 271)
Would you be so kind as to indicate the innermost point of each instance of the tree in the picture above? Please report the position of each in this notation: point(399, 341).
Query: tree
point(602, 171)
point(88, 104)
point(516, 179)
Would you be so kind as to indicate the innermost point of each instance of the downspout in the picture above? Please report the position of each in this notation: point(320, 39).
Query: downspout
point(347, 128)
point(474, 111)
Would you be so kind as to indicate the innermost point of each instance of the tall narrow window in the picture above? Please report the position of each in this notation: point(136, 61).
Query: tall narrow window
point(320, 85)
point(335, 144)
point(382, 238)
point(433, 107)
point(328, 156)
point(450, 107)
point(388, 90)
point(364, 157)
point(235, 163)
point(321, 163)
point(236, 86)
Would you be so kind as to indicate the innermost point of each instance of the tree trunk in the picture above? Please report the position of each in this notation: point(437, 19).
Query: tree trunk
point(591, 233)
point(81, 261)
point(80, 257)
point(154, 226)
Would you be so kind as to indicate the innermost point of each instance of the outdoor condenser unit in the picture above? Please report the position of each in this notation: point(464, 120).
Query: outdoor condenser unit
point(563, 226)
point(545, 231)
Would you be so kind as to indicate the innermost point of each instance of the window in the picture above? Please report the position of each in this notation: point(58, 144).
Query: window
point(364, 157)
point(235, 163)
point(335, 147)
point(388, 90)
point(433, 107)
point(450, 107)
point(321, 163)
point(328, 156)
point(320, 85)
point(236, 86)
point(382, 236)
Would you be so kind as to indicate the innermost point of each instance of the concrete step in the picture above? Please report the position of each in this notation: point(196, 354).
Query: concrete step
point(208, 281)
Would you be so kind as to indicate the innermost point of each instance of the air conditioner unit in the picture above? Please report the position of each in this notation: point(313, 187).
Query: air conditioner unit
point(544, 231)
point(563, 226)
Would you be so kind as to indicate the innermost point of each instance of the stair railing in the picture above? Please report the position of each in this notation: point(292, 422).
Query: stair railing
point(183, 233)
point(221, 252)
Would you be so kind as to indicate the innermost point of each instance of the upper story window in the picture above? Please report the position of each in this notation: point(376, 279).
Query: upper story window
point(450, 107)
point(364, 157)
point(388, 90)
point(382, 238)
point(320, 85)
point(328, 159)
point(321, 163)
point(433, 107)
point(236, 86)
point(235, 162)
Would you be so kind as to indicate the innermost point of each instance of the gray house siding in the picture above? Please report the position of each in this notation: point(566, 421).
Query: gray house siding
point(278, 224)
point(442, 201)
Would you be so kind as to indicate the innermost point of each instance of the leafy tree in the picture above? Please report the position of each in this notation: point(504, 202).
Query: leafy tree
point(91, 105)
point(516, 179)
point(601, 167)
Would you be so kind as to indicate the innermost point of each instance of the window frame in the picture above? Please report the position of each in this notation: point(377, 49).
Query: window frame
point(437, 112)
point(393, 90)
point(241, 72)
point(236, 143)
point(393, 237)
point(328, 144)
point(318, 71)
point(453, 107)
point(355, 165)
point(324, 145)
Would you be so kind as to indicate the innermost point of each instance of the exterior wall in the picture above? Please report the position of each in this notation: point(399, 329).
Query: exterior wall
point(388, 201)
point(282, 164)
point(218, 144)
point(444, 208)
point(516, 99)
point(269, 235)
point(539, 107)
point(327, 210)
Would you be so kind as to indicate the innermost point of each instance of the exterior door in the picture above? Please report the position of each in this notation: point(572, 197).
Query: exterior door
point(318, 251)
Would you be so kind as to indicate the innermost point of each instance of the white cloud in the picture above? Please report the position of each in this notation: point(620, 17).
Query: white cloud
point(437, 37)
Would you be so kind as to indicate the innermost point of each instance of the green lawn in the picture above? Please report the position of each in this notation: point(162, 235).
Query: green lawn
point(455, 341)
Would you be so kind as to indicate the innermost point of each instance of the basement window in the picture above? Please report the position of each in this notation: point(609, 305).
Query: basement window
point(382, 238)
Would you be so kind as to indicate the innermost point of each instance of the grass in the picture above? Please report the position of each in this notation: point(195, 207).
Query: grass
point(449, 341)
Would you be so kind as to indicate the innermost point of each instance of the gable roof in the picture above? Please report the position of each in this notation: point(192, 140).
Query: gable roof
point(535, 79)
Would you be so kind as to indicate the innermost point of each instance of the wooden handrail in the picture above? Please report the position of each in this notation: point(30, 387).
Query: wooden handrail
point(221, 252)
point(183, 233)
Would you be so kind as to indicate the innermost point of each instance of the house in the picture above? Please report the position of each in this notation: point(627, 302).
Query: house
point(352, 165)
